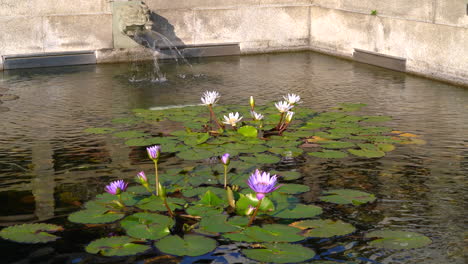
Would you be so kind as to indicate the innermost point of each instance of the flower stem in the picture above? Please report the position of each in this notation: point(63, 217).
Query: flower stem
point(167, 207)
point(213, 116)
point(156, 176)
point(225, 176)
point(254, 213)
point(280, 122)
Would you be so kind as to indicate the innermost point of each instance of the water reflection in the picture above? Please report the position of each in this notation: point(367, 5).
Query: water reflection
point(49, 167)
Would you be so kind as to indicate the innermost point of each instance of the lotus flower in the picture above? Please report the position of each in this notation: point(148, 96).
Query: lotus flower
point(256, 116)
point(283, 106)
point(116, 187)
point(232, 119)
point(252, 103)
point(292, 98)
point(225, 159)
point(289, 116)
point(154, 152)
point(210, 98)
point(261, 183)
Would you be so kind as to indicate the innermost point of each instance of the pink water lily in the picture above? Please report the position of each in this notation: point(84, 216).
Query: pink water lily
point(116, 187)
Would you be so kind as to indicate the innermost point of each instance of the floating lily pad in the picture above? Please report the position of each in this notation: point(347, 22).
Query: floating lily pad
point(202, 190)
point(385, 147)
point(99, 130)
point(293, 188)
point(367, 153)
point(200, 210)
point(347, 196)
point(280, 253)
point(156, 204)
point(337, 145)
point(190, 245)
point(242, 205)
point(261, 158)
point(329, 154)
point(296, 211)
point(190, 154)
point(147, 225)
point(324, 228)
point(248, 131)
point(211, 199)
point(273, 233)
point(287, 175)
point(116, 246)
point(95, 216)
point(218, 224)
point(398, 239)
point(31, 233)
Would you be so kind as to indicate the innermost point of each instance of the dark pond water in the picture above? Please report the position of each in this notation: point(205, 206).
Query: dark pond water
point(49, 166)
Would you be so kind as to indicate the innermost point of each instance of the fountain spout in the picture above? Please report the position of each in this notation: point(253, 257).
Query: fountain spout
point(134, 18)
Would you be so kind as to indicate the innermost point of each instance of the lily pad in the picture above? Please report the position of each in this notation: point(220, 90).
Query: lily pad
point(248, 131)
point(329, 154)
point(202, 190)
point(190, 154)
point(147, 225)
point(287, 175)
point(367, 153)
point(280, 253)
point(95, 216)
point(130, 134)
point(337, 145)
point(200, 210)
point(324, 228)
point(99, 130)
point(116, 246)
point(190, 245)
point(273, 233)
point(31, 233)
point(242, 205)
point(398, 239)
point(156, 204)
point(347, 196)
point(296, 211)
point(261, 158)
point(218, 224)
point(293, 188)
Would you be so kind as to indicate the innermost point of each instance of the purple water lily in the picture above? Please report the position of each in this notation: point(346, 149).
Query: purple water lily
point(262, 183)
point(154, 152)
point(142, 177)
point(116, 187)
point(225, 159)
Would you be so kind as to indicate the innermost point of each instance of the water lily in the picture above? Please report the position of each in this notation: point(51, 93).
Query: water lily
point(210, 98)
point(116, 187)
point(154, 152)
point(292, 98)
point(256, 116)
point(289, 116)
point(233, 119)
point(262, 183)
point(283, 106)
point(252, 103)
point(143, 180)
point(225, 160)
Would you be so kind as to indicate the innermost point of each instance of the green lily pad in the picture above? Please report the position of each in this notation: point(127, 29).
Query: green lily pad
point(261, 158)
point(218, 224)
point(191, 154)
point(190, 245)
point(211, 199)
point(202, 190)
point(287, 152)
point(116, 246)
point(245, 201)
point(329, 154)
point(385, 147)
point(130, 134)
point(280, 253)
point(99, 130)
point(347, 196)
point(95, 216)
point(398, 239)
point(273, 233)
point(203, 211)
point(156, 204)
point(248, 131)
point(367, 153)
point(296, 211)
point(337, 145)
point(31, 233)
point(324, 228)
point(293, 188)
point(139, 142)
point(147, 225)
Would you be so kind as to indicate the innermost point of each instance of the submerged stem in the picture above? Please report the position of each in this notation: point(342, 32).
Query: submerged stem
point(213, 116)
point(255, 213)
point(225, 176)
point(278, 126)
point(167, 207)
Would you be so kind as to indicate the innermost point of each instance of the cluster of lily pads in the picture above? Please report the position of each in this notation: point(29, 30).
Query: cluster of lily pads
point(189, 211)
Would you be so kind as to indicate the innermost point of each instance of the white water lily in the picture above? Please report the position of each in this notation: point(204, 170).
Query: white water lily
point(233, 119)
point(210, 98)
point(256, 116)
point(289, 116)
point(292, 98)
point(283, 106)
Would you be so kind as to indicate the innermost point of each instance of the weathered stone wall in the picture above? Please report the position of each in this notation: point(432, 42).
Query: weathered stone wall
point(430, 34)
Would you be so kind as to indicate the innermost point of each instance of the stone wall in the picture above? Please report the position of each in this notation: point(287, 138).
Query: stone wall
point(430, 34)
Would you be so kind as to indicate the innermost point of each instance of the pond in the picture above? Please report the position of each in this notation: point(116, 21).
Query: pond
point(50, 167)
